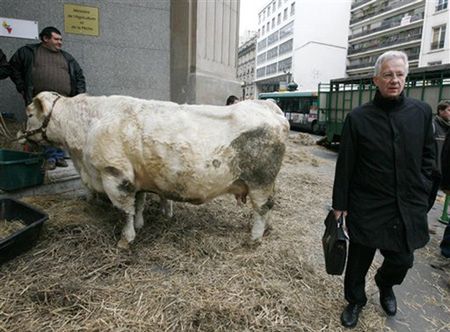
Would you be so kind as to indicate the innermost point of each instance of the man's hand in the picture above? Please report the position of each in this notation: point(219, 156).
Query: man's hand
point(337, 213)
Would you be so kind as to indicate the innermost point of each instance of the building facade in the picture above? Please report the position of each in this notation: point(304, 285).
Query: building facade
point(377, 26)
point(294, 45)
point(275, 44)
point(435, 47)
point(246, 68)
point(162, 50)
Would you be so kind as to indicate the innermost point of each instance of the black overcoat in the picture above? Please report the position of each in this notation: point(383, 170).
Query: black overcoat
point(383, 173)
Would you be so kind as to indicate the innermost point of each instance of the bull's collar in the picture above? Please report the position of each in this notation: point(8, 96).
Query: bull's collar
point(43, 128)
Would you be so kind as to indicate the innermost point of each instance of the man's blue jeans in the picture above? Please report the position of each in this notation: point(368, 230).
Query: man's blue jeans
point(52, 153)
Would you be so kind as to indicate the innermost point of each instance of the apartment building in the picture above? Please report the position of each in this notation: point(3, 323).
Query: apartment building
point(435, 47)
point(246, 67)
point(275, 44)
point(377, 26)
point(301, 40)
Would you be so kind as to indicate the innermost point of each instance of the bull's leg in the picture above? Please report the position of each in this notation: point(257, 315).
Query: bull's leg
point(122, 194)
point(262, 201)
point(166, 207)
point(140, 204)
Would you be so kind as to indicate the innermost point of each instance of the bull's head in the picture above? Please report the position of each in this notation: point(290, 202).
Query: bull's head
point(38, 113)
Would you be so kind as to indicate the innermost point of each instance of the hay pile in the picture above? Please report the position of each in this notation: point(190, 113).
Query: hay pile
point(195, 272)
point(9, 227)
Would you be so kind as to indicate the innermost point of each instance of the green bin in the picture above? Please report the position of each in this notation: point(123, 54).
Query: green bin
point(20, 169)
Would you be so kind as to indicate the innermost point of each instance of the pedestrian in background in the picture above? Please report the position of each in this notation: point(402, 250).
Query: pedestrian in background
point(382, 185)
point(445, 186)
point(232, 100)
point(441, 124)
point(46, 67)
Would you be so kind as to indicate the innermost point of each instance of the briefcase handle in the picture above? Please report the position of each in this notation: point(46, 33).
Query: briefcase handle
point(341, 224)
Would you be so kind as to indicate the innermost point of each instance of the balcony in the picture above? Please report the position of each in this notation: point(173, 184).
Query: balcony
point(385, 26)
point(381, 9)
point(411, 57)
point(387, 43)
point(359, 3)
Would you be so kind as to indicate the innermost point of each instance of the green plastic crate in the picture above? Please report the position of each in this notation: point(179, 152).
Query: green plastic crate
point(20, 169)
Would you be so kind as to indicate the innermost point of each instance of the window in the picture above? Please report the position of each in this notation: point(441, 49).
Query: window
point(273, 23)
point(272, 38)
point(268, 11)
point(293, 8)
point(272, 53)
point(279, 18)
point(259, 18)
point(261, 58)
point(273, 7)
point(271, 69)
point(262, 44)
point(441, 5)
point(286, 47)
point(285, 14)
point(268, 27)
point(438, 37)
point(279, 3)
point(264, 30)
point(287, 30)
point(434, 63)
point(261, 72)
point(285, 65)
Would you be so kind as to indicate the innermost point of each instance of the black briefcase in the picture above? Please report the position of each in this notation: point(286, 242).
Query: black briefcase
point(334, 243)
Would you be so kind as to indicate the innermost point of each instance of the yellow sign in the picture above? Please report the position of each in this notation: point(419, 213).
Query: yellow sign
point(81, 20)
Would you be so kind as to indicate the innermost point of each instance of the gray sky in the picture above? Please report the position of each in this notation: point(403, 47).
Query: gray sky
point(249, 14)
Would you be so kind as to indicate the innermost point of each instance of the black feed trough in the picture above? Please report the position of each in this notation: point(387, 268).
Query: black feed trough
point(26, 237)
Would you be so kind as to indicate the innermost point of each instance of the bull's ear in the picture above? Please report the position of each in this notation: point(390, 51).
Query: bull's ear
point(44, 102)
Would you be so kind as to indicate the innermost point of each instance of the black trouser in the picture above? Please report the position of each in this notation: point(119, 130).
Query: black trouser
point(445, 244)
point(392, 271)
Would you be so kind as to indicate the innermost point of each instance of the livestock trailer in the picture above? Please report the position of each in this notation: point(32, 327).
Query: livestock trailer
point(430, 84)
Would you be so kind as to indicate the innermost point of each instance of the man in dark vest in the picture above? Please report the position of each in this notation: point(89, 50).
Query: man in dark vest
point(46, 67)
point(382, 185)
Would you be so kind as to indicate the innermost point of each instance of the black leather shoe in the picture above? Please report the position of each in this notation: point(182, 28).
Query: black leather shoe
point(388, 301)
point(350, 315)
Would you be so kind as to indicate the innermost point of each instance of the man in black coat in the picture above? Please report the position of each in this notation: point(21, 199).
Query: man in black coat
point(382, 184)
point(46, 67)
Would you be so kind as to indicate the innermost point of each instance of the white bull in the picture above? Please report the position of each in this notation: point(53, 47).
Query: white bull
point(124, 147)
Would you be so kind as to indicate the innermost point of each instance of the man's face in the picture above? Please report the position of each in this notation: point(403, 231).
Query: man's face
point(445, 114)
point(391, 79)
point(54, 43)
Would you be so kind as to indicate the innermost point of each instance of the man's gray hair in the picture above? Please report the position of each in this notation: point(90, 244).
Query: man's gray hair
point(390, 55)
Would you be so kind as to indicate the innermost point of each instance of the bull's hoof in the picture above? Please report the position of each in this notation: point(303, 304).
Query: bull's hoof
point(252, 243)
point(123, 244)
point(268, 230)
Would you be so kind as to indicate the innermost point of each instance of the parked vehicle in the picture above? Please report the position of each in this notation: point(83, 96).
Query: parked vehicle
point(300, 108)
